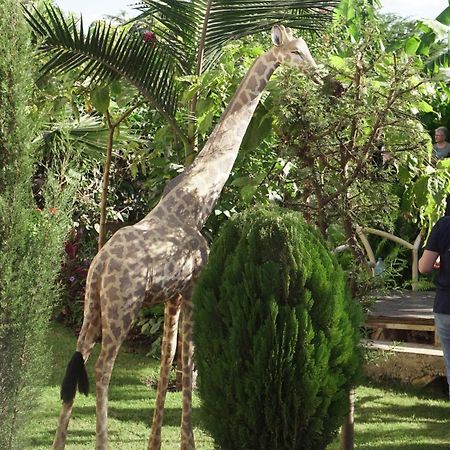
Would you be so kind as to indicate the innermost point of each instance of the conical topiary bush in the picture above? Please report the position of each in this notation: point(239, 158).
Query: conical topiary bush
point(276, 336)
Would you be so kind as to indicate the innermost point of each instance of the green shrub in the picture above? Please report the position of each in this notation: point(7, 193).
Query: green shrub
point(276, 336)
point(31, 239)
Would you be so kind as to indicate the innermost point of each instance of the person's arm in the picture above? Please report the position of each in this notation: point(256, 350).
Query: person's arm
point(430, 259)
point(427, 261)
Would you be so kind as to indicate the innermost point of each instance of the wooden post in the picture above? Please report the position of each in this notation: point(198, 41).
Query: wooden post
point(367, 247)
point(347, 429)
point(415, 262)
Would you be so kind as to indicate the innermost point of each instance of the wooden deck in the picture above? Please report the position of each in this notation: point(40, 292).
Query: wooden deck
point(406, 310)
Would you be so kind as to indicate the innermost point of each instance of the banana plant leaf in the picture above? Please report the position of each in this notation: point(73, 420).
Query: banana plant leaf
point(90, 134)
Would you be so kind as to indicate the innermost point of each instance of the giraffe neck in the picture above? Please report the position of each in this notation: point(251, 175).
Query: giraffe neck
point(194, 193)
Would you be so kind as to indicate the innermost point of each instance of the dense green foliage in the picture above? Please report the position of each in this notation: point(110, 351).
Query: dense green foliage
point(363, 134)
point(31, 239)
point(276, 335)
point(356, 151)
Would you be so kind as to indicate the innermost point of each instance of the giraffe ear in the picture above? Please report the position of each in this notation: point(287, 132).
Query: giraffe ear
point(277, 34)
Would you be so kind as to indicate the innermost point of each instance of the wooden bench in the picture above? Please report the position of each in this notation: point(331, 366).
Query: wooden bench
point(406, 310)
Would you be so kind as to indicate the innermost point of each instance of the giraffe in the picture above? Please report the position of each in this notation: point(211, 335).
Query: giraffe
point(158, 259)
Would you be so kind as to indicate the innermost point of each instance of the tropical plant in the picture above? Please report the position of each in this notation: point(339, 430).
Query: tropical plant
point(363, 135)
point(189, 34)
point(431, 33)
point(433, 38)
point(106, 54)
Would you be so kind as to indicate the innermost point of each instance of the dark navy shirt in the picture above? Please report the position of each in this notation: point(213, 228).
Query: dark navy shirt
point(439, 241)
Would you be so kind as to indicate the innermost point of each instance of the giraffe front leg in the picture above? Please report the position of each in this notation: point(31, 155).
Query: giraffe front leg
point(187, 435)
point(168, 347)
point(86, 340)
point(103, 371)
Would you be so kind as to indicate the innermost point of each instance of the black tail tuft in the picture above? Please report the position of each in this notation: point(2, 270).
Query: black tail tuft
point(75, 375)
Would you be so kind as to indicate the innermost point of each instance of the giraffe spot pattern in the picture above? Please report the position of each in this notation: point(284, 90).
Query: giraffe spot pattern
point(113, 312)
point(117, 250)
point(109, 279)
point(127, 321)
point(116, 331)
point(251, 84)
point(124, 282)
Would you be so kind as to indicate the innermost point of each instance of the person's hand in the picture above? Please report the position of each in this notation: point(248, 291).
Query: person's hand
point(437, 263)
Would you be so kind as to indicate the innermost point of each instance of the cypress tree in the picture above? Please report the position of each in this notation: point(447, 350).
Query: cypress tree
point(276, 335)
point(31, 241)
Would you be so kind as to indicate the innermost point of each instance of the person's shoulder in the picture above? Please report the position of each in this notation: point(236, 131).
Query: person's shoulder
point(440, 229)
point(443, 222)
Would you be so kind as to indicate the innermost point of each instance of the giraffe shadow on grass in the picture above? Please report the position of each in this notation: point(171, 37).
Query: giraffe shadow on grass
point(172, 416)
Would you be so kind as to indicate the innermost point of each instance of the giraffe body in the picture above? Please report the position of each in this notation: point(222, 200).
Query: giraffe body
point(159, 259)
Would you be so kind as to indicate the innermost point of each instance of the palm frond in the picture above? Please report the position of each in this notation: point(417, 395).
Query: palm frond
point(234, 20)
point(224, 21)
point(105, 54)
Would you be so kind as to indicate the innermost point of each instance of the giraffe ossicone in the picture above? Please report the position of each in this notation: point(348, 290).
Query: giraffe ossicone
point(158, 259)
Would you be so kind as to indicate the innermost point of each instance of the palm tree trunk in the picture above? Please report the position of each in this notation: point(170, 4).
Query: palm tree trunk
point(105, 183)
point(107, 168)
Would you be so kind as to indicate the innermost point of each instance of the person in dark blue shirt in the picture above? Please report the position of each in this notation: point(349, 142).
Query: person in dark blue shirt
point(437, 256)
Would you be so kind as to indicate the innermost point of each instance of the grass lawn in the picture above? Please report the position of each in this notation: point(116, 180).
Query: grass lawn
point(386, 418)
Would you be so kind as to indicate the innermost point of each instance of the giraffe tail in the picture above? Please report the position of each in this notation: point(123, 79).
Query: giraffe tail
point(75, 376)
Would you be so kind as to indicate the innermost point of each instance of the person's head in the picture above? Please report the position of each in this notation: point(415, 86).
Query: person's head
point(441, 135)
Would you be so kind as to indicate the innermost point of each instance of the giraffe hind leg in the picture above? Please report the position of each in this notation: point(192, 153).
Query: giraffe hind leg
point(76, 372)
point(114, 332)
point(75, 376)
point(187, 435)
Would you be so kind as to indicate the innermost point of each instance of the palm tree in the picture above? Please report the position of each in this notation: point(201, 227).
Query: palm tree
point(190, 39)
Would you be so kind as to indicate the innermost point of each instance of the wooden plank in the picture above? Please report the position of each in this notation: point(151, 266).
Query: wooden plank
point(403, 347)
point(407, 306)
point(404, 320)
point(399, 326)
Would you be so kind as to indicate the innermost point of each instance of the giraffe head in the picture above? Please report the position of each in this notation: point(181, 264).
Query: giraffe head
point(292, 51)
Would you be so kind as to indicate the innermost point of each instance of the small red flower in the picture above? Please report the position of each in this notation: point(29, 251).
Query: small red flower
point(149, 36)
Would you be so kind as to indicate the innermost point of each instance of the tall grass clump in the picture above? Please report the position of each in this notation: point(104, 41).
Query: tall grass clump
point(31, 239)
point(276, 335)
